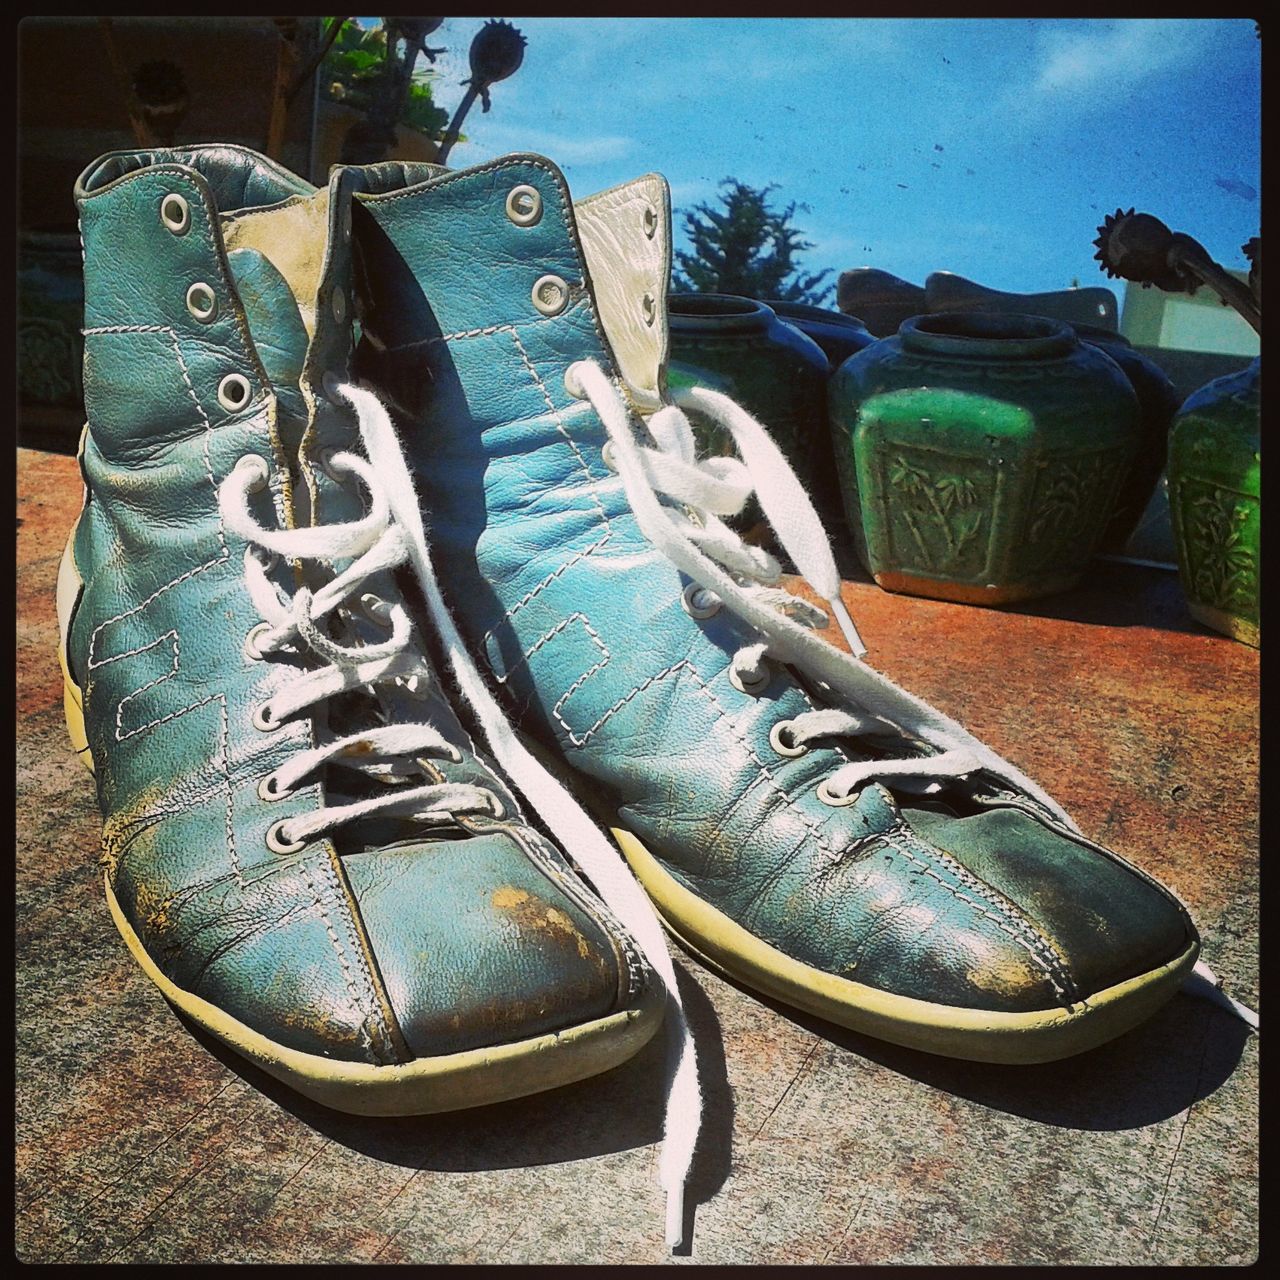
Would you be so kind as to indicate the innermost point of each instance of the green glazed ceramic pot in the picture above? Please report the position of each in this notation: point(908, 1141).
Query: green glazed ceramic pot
point(980, 455)
point(1158, 401)
point(50, 315)
point(769, 367)
point(1214, 474)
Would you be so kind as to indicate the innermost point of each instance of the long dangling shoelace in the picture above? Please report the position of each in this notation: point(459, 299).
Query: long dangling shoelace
point(688, 529)
point(392, 533)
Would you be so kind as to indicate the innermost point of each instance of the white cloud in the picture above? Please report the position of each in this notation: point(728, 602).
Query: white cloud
point(1112, 55)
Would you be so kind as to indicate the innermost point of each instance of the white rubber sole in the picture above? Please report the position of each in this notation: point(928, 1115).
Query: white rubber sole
point(1038, 1036)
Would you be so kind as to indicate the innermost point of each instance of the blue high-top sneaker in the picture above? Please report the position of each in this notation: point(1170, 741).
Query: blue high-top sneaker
point(303, 849)
point(800, 821)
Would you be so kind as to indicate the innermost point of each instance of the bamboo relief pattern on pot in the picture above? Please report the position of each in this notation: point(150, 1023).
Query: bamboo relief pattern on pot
point(1072, 499)
point(938, 518)
point(1222, 570)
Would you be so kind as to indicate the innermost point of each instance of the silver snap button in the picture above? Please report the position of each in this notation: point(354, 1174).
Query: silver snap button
point(175, 213)
point(278, 842)
point(649, 309)
point(339, 305)
point(650, 221)
point(550, 295)
point(524, 205)
point(202, 302)
point(234, 392)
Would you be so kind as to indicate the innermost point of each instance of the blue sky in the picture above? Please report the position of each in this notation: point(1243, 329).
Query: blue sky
point(988, 147)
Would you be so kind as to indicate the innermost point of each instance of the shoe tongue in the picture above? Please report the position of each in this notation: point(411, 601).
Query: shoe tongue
point(275, 324)
point(626, 239)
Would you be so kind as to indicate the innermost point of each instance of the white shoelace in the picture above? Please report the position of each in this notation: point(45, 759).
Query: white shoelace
point(727, 570)
point(391, 533)
point(384, 752)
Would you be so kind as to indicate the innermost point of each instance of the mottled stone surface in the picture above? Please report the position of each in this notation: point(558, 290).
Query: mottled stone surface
point(139, 1140)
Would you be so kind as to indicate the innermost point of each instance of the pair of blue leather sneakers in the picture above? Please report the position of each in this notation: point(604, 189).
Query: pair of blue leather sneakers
point(380, 472)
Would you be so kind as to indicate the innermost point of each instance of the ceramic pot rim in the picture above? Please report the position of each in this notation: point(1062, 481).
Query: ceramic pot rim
point(717, 312)
point(805, 311)
point(978, 334)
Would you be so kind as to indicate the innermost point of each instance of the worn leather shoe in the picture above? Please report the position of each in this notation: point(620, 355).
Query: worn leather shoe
point(800, 821)
point(303, 849)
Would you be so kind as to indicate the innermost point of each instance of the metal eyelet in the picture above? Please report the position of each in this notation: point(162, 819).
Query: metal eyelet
point(331, 382)
point(827, 796)
point(277, 842)
point(175, 213)
point(779, 743)
point(269, 791)
point(707, 609)
point(262, 718)
point(262, 472)
point(420, 691)
point(234, 392)
point(649, 309)
point(550, 295)
point(573, 384)
point(376, 609)
point(524, 205)
point(202, 302)
point(324, 460)
point(609, 456)
point(251, 650)
point(650, 221)
point(338, 304)
point(751, 687)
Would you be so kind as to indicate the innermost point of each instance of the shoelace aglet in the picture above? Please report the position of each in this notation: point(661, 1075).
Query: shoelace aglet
point(675, 1216)
point(841, 615)
point(1203, 982)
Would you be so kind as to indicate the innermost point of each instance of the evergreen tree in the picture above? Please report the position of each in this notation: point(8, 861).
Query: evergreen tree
point(746, 248)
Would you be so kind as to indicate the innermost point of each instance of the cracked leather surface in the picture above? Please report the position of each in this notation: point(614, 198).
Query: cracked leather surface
point(378, 948)
point(579, 620)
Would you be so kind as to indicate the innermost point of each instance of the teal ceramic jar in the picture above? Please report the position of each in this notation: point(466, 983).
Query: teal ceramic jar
point(769, 367)
point(1214, 499)
point(980, 455)
point(840, 336)
point(1158, 401)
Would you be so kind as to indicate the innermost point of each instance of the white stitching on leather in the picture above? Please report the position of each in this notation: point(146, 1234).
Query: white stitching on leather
point(1036, 947)
point(546, 582)
point(333, 937)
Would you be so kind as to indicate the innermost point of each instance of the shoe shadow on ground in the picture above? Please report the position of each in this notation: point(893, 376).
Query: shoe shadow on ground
point(1180, 1056)
point(616, 1111)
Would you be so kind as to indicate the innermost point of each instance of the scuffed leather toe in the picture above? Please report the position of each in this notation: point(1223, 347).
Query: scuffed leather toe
point(1108, 921)
point(477, 945)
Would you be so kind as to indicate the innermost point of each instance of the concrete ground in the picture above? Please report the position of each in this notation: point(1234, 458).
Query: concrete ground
point(139, 1140)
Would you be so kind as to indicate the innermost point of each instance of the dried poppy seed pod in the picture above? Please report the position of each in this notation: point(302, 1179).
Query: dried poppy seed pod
point(1139, 247)
point(496, 53)
point(1135, 246)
